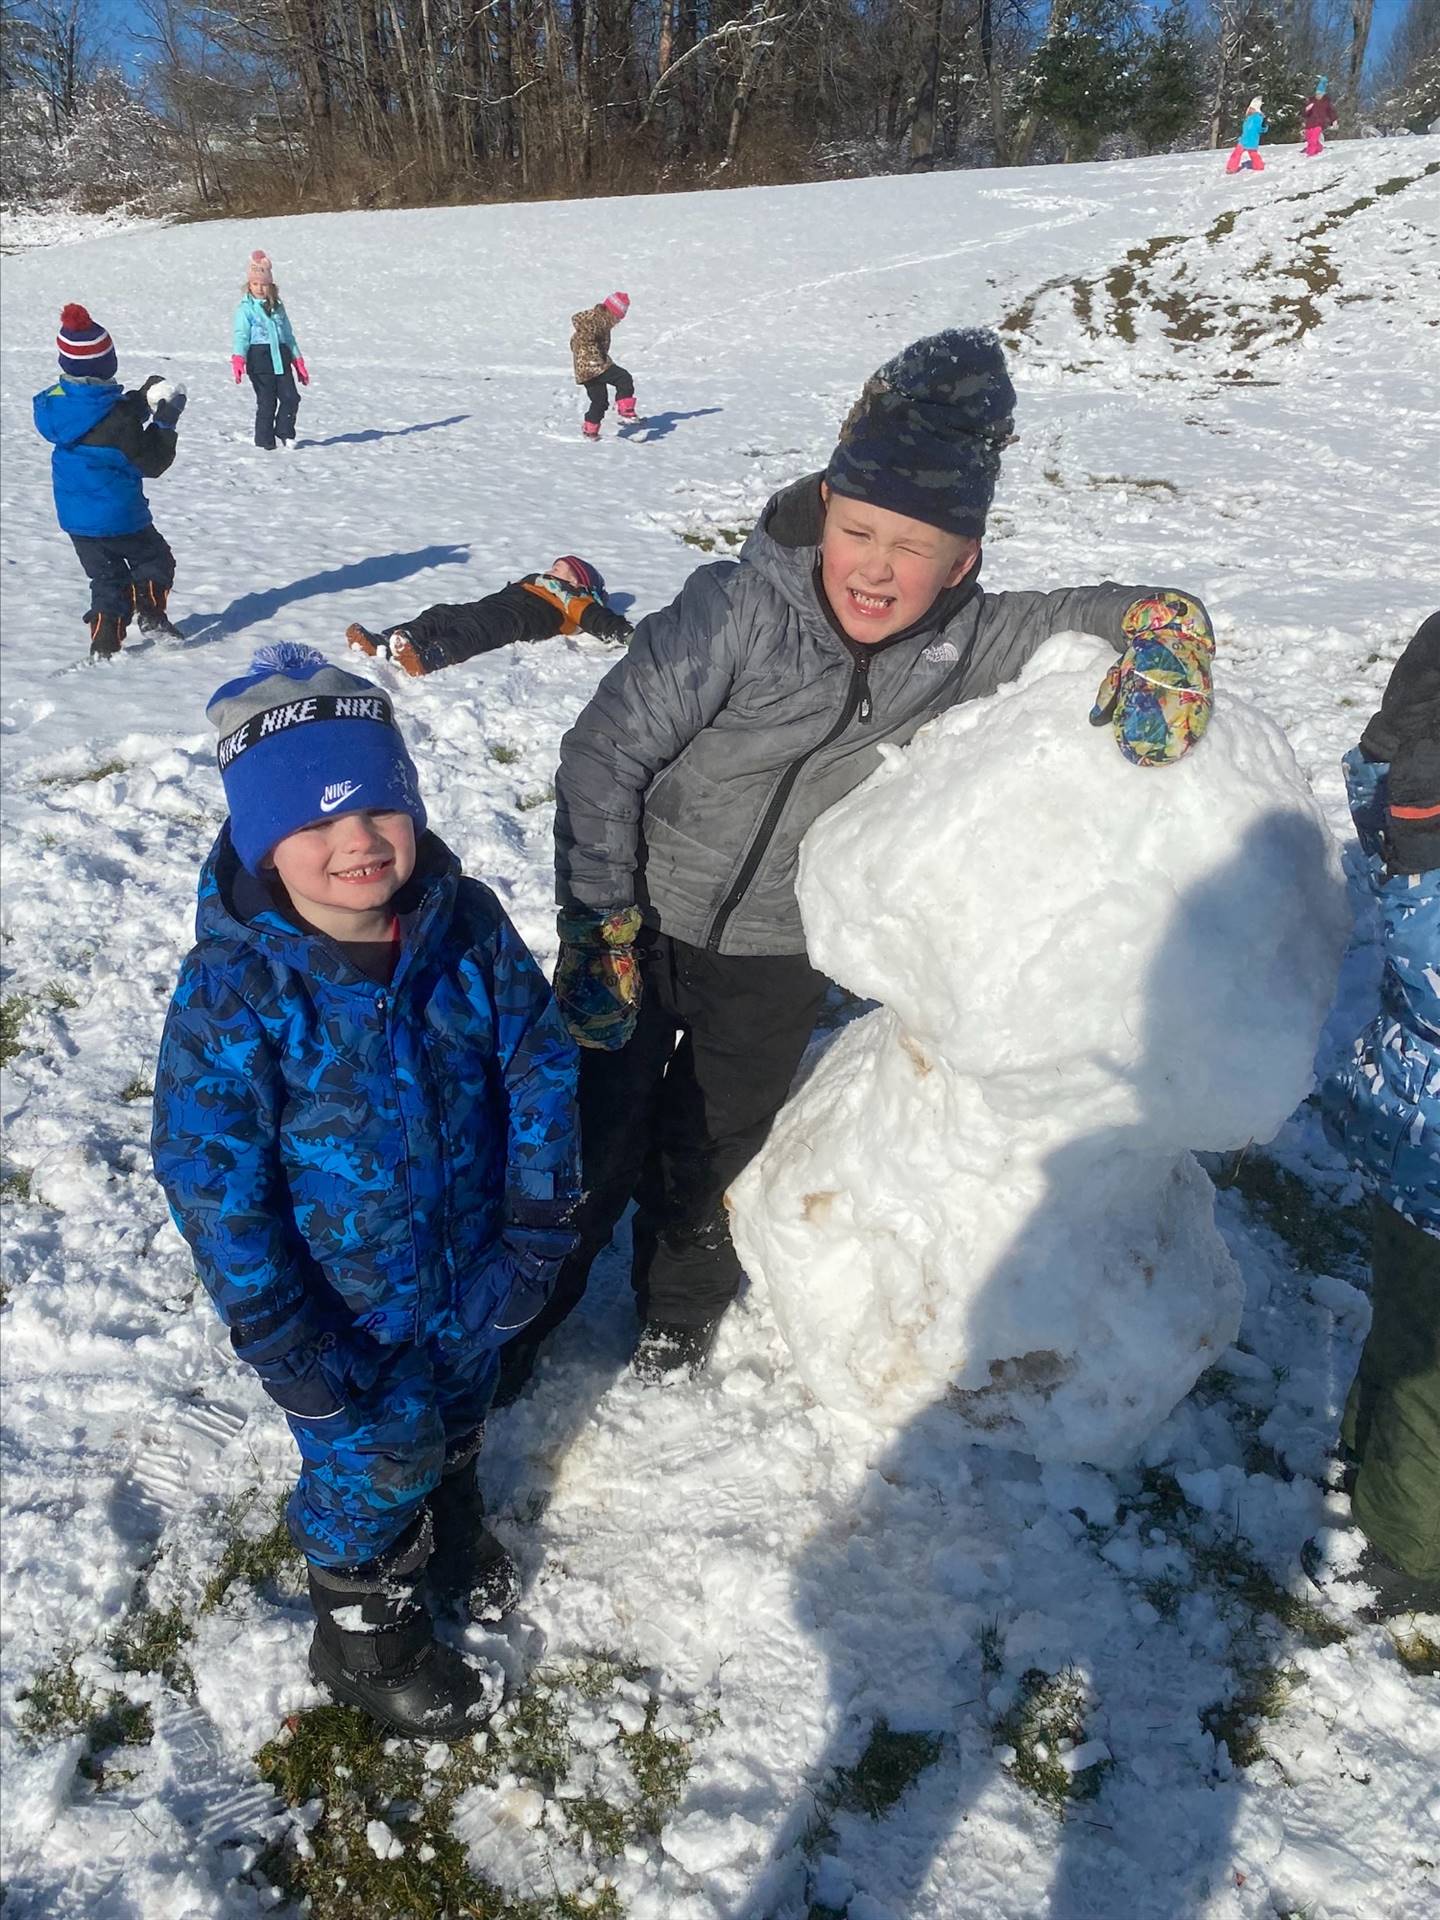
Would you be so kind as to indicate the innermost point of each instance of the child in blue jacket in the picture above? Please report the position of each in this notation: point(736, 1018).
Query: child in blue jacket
point(1382, 1109)
point(107, 443)
point(365, 1127)
point(265, 347)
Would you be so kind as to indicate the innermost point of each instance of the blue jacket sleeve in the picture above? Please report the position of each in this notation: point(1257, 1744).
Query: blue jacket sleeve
point(539, 1063)
point(240, 333)
point(218, 1094)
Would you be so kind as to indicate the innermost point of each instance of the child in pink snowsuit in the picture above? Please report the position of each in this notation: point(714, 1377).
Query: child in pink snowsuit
point(1319, 117)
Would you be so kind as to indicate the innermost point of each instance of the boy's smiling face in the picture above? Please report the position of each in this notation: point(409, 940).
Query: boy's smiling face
point(342, 873)
point(881, 571)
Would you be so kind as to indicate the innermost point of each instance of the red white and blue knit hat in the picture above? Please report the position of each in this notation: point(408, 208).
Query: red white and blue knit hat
point(86, 350)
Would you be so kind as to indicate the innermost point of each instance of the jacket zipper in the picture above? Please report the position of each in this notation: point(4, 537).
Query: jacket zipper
point(857, 699)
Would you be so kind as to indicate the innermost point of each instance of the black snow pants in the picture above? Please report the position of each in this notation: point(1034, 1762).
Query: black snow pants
point(673, 1116)
point(117, 563)
point(599, 398)
point(277, 398)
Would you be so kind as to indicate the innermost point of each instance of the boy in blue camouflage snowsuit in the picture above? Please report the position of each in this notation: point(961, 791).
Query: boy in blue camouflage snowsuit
point(365, 1127)
point(1382, 1109)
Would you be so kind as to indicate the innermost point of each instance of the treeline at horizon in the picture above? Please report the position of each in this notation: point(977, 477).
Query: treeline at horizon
point(226, 107)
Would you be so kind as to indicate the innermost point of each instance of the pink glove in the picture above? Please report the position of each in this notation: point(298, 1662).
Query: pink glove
point(302, 372)
point(237, 367)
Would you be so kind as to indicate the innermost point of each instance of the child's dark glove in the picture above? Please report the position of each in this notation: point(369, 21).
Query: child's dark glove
point(604, 623)
point(1411, 837)
point(1406, 733)
point(597, 977)
point(167, 402)
point(1156, 697)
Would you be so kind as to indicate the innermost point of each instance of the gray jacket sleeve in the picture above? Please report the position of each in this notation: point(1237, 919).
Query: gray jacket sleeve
point(1016, 625)
point(671, 684)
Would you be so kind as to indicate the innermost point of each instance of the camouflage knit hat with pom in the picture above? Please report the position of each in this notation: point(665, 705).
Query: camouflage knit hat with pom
point(924, 437)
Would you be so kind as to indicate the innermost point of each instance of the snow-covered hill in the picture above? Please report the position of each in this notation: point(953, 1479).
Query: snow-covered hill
point(1229, 383)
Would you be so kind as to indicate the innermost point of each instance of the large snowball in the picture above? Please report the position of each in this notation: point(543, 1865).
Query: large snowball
point(985, 1190)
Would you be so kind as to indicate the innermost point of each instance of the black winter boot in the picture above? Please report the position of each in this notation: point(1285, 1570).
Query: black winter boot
point(375, 1647)
point(107, 635)
point(663, 1349)
point(469, 1569)
point(151, 600)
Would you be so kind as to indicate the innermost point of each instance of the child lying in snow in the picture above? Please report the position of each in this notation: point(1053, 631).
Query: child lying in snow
point(569, 597)
point(365, 1127)
point(1382, 1109)
point(739, 715)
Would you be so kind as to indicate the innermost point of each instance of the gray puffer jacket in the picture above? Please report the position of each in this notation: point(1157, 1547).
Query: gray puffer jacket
point(740, 713)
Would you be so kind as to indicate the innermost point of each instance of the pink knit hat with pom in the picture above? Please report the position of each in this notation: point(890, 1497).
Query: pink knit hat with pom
point(618, 304)
point(259, 264)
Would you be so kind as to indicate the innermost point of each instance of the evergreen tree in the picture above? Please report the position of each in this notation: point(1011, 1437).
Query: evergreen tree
point(1083, 76)
point(1267, 62)
point(1171, 81)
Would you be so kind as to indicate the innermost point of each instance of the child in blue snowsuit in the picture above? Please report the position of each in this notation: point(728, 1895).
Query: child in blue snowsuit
point(365, 1126)
point(265, 348)
point(106, 445)
point(1382, 1109)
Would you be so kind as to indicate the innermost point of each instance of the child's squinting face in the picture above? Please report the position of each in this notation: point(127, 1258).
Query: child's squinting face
point(260, 286)
point(562, 570)
point(353, 864)
point(881, 571)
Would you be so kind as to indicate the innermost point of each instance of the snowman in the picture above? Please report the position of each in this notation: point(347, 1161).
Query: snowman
point(985, 1191)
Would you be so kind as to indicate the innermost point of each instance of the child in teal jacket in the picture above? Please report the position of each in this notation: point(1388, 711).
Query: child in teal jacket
point(265, 347)
point(1246, 150)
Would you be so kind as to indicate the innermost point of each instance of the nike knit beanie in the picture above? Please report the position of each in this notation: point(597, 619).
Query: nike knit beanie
point(924, 437)
point(301, 741)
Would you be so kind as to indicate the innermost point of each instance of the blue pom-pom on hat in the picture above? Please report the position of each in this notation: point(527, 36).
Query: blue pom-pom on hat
point(924, 438)
point(302, 740)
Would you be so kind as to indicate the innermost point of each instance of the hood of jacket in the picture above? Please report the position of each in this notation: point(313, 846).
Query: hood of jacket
point(236, 908)
point(69, 410)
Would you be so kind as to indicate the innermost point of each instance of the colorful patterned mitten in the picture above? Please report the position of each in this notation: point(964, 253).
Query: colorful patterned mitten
point(1157, 694)
point(597, 977)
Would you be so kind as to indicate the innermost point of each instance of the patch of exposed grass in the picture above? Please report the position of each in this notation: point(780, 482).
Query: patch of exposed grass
point(503, 755)
point(16, 1009)
point(1227, 1567)
point(1261, 1693)
point(891, 1763)
point(1134, 485)
point(344, 1761)
point(1418, 1653)
point(1165, 1595)
point(15, 1184)
point(1323, 1237)
point(151, 1641)
point(528, 802)
point(92, 774)
point(58, 1705)
point(718, 540)
point(259, 1558)
point(991, 1643)
point(1047, 1721)
point(337, 1761)
point(137, 1089)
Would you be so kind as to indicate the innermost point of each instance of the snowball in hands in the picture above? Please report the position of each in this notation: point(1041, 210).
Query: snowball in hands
point(985, 1190)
